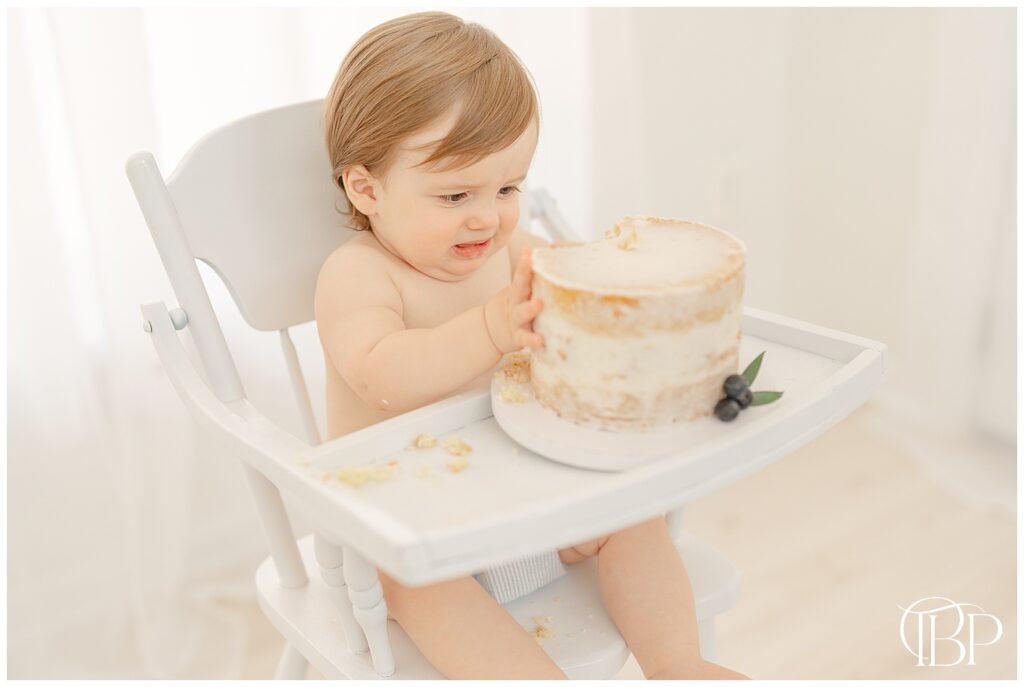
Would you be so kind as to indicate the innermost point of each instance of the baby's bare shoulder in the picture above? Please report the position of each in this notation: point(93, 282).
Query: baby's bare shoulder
point(357, 257)
point(357, 274)
point(355, 248)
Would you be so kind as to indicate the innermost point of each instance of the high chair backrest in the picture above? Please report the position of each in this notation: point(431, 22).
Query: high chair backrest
point(256, 203)
point(254, 200)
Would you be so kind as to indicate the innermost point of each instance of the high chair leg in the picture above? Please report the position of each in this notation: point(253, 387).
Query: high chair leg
point(292, 664)
point(330, 558)
point(370, 609)
point(708, 648)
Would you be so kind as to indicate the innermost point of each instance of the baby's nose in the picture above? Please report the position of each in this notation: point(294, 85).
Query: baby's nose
point(485, 219)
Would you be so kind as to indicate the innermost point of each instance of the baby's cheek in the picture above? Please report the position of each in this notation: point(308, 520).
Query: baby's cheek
point(508, 225)
point(438, 241)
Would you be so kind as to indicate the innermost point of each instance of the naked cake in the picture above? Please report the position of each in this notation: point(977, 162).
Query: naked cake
point(640, 328)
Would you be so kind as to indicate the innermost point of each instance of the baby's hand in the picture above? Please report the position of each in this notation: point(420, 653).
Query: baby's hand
point(511, 311)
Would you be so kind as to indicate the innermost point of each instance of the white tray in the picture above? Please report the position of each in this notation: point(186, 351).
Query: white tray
point(511, 502)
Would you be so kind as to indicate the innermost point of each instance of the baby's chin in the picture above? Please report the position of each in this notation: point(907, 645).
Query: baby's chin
point(453, 268)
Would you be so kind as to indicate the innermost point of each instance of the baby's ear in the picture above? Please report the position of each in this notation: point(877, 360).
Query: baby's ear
point(361, 189)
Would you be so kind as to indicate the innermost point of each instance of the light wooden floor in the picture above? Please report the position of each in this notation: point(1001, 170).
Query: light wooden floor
point(830, 541)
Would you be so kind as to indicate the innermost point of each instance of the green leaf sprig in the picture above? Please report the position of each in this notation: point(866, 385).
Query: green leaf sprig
point(750, 374)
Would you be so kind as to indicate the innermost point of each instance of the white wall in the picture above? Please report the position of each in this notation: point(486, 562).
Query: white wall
point(864, 155)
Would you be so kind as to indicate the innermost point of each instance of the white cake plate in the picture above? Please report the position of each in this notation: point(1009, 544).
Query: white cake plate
point(787, 366)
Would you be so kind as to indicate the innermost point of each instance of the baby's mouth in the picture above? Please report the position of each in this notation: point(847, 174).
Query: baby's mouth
point(472, 250)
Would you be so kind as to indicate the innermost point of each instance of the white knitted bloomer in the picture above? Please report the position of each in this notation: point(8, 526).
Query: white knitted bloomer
point(510, 581)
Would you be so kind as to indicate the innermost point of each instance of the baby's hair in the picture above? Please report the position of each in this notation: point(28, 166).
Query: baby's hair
point(403, 75)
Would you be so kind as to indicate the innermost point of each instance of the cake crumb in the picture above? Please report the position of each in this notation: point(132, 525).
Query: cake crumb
point(456, 446)
point(423, 472)
point(457, 465)
point(542, 619)
point(541, 632)
point(613, 232)
point(512, 394)
point(517, 368)
point(360, 475)
point(424, 440)
point(628, 242)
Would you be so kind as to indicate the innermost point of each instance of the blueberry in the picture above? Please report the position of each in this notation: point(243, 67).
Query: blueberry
point(734, 386)
point(745, 398)
point(727, 409)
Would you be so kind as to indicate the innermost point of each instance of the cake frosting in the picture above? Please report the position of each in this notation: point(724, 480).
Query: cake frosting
point(640, 328)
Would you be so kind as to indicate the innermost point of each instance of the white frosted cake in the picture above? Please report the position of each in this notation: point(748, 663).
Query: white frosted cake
point(640, 328)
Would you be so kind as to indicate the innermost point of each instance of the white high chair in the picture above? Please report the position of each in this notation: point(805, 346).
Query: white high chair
point(254, 200)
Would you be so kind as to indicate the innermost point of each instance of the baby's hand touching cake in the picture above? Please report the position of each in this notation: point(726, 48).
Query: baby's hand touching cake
point(511, 311)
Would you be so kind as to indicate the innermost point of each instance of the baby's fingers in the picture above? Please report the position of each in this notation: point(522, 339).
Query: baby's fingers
point(524, 337)
point(526, 311)
point(523, 276)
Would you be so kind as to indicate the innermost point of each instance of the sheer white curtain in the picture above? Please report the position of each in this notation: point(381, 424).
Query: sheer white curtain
point(129, 538)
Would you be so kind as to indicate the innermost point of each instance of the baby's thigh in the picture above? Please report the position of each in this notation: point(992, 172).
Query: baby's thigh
point(465, 633)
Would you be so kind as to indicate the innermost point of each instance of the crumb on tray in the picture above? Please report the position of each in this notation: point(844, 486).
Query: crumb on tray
point(457, 465)
point(360, 475)
point(456, 446)
point(542, 632)
point(424, 440)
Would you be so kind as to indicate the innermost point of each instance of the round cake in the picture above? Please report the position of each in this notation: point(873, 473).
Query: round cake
point(640, 328)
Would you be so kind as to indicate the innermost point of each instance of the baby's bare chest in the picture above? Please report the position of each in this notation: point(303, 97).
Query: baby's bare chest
point(428, 302)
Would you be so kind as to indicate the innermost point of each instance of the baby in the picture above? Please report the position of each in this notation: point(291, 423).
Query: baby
point(431, 124)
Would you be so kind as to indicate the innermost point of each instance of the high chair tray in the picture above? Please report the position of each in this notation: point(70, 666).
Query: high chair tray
point(424, 514)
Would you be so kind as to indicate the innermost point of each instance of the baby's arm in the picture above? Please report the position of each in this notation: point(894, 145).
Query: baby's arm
point(359, 320)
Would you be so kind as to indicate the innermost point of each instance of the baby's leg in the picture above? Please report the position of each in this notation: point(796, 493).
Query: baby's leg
point(465, 633)
point(648, 594)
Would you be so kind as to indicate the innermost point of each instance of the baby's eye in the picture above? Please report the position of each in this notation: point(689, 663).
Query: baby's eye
point(453, 197)
point(505, 192)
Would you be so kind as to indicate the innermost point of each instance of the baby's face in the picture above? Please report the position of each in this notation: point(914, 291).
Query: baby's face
point(426, 217)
